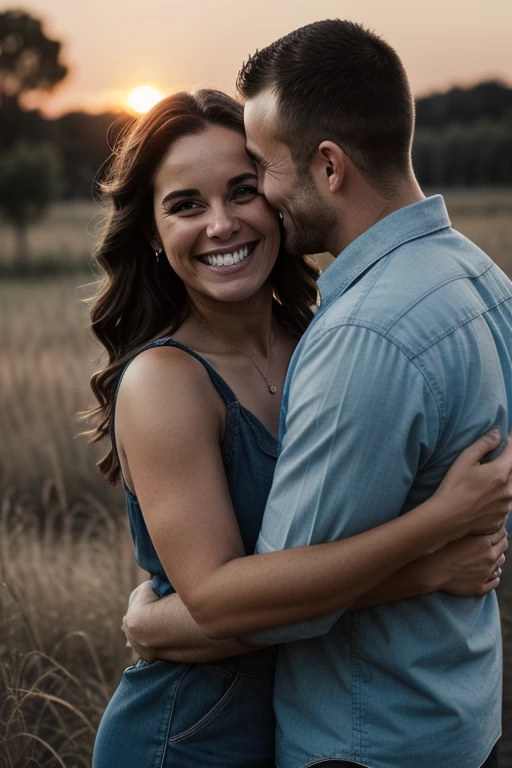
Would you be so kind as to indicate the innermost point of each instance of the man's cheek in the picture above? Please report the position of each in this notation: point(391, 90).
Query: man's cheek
point(271, 193)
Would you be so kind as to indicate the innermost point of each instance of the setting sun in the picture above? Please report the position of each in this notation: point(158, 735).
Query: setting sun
point(143, 98)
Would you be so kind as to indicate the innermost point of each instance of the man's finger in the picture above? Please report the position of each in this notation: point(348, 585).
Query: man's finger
point(498, 536)
point(490, 585)
point(484, 445)
point(504, 460)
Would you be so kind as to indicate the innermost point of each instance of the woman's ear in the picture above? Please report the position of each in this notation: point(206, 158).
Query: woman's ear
point(151, 233)
point(155, 243)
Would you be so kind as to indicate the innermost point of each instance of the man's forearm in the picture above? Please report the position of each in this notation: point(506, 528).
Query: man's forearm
point(164, 629)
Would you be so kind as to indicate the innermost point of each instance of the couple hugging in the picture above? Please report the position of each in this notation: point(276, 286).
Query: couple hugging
point(316, 468)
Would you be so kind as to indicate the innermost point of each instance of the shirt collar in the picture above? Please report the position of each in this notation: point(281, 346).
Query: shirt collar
point(401, 226)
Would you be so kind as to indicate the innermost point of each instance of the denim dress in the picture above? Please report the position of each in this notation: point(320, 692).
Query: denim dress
point(220, 714)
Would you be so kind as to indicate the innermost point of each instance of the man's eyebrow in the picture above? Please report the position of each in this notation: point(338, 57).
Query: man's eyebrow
point(195, 192)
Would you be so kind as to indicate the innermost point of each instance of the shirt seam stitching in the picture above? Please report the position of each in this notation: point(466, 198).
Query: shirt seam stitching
point(449, 331)
point(435, 288)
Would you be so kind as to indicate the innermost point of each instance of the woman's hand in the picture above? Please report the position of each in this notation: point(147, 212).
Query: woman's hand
point(467, 567)
point(480, 495)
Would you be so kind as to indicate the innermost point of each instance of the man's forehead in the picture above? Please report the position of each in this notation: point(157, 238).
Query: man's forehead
point(260, 112)
point(261, 126)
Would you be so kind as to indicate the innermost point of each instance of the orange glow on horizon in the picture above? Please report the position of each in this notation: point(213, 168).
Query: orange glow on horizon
point(143, 98)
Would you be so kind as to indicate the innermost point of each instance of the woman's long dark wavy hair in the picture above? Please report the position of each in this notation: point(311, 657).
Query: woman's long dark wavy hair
point(140, 298)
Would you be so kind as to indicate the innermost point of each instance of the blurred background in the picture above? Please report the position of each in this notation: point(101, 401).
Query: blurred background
point(71, 76)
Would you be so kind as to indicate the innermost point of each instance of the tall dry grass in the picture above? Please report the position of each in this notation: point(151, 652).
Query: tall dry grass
point(64, 579)
point(66, 560)
point(47, 359)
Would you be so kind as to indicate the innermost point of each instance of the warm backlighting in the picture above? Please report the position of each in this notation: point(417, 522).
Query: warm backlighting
point(142, 99)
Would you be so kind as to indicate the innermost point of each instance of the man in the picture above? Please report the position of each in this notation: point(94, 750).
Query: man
point(407, 361)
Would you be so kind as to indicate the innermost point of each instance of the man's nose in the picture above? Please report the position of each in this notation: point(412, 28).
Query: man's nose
point(222, 223)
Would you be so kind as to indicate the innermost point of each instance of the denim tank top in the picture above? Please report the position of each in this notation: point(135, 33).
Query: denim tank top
point(249, 454)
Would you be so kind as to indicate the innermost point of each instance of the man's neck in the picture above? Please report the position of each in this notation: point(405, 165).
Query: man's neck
point(368, 206)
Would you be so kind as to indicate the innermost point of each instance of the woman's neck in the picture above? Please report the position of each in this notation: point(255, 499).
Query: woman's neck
point(245, 325)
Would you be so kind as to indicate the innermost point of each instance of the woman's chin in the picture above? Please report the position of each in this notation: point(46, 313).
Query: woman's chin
point(234, 296)
point(235, 291)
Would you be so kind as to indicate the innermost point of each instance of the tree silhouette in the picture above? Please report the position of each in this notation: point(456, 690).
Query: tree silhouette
point(29, 60)
point(29, 182)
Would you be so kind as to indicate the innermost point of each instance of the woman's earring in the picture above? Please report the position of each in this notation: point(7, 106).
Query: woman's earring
point(158, 251)
point(279, 215)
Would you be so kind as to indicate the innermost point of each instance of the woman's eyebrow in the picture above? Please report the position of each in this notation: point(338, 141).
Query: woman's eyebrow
point(180, 193)
point(242, 177)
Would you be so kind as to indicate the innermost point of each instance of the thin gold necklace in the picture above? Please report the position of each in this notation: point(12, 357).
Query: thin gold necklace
point(271, 387)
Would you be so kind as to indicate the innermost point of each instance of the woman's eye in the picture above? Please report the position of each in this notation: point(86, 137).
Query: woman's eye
point(245, 191)
point(184, 207)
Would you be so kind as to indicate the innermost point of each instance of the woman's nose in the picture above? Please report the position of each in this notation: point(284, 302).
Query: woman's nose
point(222, 224)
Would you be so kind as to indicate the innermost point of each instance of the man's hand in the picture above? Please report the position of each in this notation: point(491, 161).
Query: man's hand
point(479, 492)
point(141, 597)
point(162, 628)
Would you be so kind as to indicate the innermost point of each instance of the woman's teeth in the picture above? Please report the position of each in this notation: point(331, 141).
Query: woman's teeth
point(228, 259)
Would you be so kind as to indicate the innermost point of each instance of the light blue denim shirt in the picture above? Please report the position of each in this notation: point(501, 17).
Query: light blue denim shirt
point(408, 360)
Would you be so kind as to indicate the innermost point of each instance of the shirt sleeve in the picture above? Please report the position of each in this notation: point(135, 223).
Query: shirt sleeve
point(361, 422)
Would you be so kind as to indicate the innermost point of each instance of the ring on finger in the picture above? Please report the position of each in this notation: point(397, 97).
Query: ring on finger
point(497, 572)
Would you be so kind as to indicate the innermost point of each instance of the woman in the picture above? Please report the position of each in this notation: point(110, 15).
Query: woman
point(200, 313)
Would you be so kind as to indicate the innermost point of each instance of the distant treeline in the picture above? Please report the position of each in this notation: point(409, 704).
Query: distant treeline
point(463, 139)
point(83, 142)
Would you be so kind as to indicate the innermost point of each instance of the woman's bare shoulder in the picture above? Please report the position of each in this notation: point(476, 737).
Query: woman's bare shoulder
point(163, 380)
point(163, 366)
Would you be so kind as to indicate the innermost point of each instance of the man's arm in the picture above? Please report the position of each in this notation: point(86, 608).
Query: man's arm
point(362, 422)
point(162, 628)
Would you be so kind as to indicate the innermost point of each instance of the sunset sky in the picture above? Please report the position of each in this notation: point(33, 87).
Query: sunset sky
point(113, 46)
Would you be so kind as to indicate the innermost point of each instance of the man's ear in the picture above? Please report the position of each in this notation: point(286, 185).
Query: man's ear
point(330, 165)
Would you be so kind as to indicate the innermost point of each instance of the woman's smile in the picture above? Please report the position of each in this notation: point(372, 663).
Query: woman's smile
point(229, 259)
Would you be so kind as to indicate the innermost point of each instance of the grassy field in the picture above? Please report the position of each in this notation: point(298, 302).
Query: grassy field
point(61, 242)
point(66, 561)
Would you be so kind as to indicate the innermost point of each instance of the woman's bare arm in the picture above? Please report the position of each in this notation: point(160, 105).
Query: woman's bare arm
point(163, 628)
point(168, 421)
point(465, 568)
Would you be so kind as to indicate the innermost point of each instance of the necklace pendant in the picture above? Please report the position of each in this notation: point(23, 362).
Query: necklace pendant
point(272, 389)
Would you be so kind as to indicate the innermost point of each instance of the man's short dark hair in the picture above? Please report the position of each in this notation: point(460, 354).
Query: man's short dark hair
point(335, 80)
